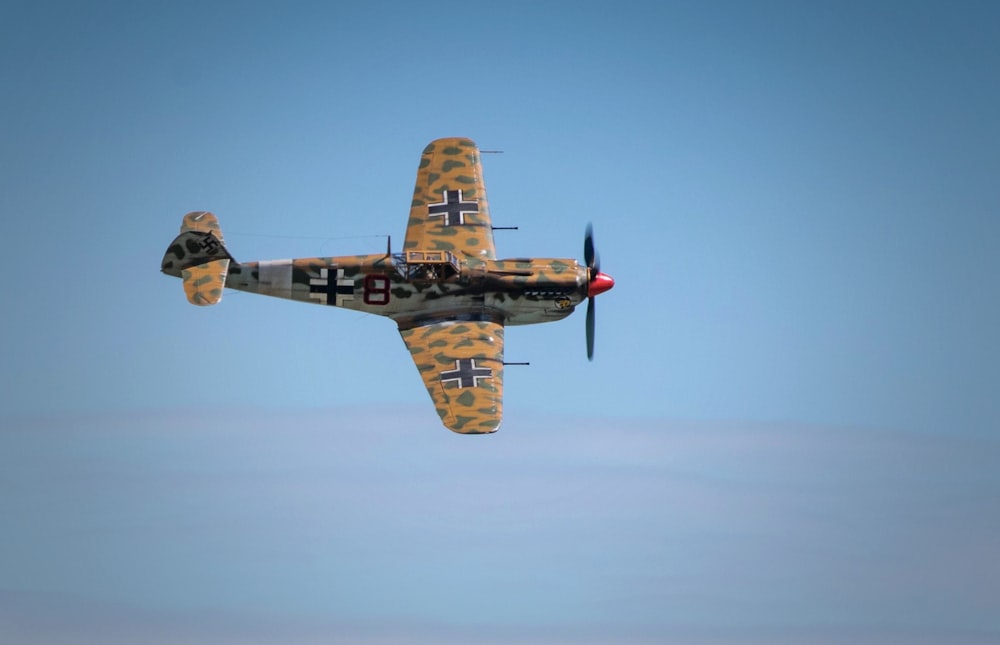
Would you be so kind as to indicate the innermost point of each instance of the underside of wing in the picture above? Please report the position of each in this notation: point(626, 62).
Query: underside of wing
point(449, 210)
point(461, 364)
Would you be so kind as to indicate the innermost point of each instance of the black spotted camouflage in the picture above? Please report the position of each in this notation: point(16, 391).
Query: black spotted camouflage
point(476, 407)
point(446, 324)
point(450, 164)
point(204, 282)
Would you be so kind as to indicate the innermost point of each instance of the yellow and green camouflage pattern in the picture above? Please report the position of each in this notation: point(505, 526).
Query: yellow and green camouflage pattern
point(512, 292)
point(461, 364)
point(204, 280)
point(450, 174)
point(204, 222)
point(447, 292)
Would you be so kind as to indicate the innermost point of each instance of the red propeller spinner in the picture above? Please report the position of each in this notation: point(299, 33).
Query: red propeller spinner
point(599, 284)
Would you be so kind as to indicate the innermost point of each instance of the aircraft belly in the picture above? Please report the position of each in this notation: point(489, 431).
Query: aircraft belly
point(347, 287)
point(439, 302)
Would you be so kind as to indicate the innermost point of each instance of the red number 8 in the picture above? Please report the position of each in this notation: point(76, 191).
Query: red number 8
point(376, 290)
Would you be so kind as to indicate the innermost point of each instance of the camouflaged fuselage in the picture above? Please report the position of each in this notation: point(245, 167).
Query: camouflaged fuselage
point(509, 292)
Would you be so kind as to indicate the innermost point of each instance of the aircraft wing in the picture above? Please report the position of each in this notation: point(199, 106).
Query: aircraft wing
point(462, 366)
point(449, 210)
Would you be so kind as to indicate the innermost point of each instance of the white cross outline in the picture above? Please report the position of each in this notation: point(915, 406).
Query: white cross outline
point(324, 280)
point(321, 281)
point(446, 214)
point(461, 374)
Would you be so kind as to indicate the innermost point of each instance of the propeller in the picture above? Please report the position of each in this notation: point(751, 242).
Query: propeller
point(599, 283)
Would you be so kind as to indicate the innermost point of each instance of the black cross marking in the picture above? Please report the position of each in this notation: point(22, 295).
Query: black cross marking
point(323, 288)
point(452, 208)
point(466, 373)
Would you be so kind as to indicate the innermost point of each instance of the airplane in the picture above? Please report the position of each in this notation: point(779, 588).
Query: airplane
point(447, 292)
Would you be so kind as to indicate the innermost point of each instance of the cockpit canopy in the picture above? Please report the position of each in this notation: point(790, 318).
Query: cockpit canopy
point(432, 266)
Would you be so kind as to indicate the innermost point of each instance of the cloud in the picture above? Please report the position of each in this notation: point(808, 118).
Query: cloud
point(380, 526)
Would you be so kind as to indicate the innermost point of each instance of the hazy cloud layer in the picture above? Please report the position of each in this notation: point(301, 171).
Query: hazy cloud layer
point(355, 526)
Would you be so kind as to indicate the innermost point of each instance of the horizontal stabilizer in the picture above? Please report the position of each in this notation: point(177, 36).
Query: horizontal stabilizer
point(203, 284)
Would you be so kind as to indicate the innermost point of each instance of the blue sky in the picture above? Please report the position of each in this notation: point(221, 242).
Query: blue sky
point(796, 373)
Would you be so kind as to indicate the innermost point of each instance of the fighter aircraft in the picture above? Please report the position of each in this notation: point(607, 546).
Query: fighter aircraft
point(448, 293)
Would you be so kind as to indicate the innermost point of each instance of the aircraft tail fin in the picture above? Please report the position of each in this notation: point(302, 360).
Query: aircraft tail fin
point(199, 257)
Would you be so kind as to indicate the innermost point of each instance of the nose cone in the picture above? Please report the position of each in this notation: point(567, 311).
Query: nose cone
point(599, 284)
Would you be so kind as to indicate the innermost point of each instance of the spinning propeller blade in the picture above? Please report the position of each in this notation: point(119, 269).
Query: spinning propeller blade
point(599, 283)
point(590, 329)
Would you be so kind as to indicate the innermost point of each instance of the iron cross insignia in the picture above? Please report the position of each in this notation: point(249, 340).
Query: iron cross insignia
point(466, 373)
point(453, 208)
point(324, 288)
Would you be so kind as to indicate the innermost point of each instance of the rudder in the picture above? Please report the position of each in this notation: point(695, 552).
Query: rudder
point(199, 257)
